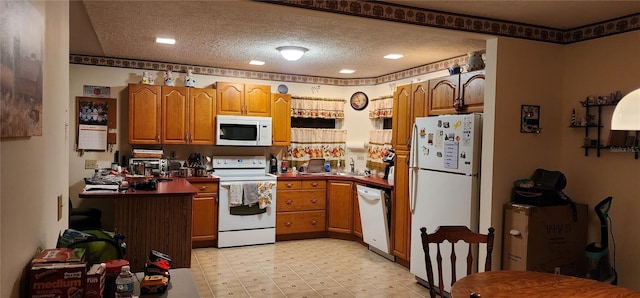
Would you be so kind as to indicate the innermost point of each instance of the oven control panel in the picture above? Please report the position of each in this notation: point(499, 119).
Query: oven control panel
point(239, 162)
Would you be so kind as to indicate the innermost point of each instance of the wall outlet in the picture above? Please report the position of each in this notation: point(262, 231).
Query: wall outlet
point(90, 164)
point(60, 205)
point(360, 157)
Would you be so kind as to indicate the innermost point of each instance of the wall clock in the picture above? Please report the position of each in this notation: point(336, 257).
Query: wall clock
point(359, 101)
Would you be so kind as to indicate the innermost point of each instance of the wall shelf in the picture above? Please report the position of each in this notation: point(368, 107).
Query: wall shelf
point(596, 144)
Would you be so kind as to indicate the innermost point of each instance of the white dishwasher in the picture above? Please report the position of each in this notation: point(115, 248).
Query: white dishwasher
point(373, 215)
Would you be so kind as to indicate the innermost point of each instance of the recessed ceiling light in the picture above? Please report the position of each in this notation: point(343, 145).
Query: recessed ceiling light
point(256, 62)
point(393, 56)
point(165, 40)
point(347, 71)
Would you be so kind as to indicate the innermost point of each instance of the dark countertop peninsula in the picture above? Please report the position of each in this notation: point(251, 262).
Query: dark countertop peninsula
point(154, 219)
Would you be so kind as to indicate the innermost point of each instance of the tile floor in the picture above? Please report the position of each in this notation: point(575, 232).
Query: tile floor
point(302, 268)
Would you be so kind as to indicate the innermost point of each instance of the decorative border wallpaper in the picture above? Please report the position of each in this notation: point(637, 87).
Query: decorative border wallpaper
point(393, 13)
point(236, 73)
point(431, 18)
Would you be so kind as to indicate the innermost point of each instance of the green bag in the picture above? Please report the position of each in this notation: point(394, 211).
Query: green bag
point(99, 245)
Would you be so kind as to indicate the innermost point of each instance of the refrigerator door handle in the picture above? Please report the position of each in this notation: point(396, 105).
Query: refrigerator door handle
point(412, 170)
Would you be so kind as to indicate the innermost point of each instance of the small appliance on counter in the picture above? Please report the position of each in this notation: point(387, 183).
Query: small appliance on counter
point(389, 160)
point(273, 165)
point(148, 166)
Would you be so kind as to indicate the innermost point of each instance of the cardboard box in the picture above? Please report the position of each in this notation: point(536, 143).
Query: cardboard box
point(545, 238)
point(59, 255)
point(57, 280)
point(94, 287)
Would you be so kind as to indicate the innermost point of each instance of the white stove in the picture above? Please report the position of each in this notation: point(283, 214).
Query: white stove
point(246, 229)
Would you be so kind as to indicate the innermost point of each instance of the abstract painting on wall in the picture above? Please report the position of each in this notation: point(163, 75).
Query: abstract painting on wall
point(21, 54)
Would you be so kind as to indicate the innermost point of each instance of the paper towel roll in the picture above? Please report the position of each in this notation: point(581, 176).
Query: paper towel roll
point(356, 145)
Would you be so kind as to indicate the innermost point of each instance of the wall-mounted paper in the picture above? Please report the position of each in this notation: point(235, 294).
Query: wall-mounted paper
point(92, 137)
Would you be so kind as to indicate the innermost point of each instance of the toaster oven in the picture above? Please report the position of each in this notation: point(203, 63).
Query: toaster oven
point(148, 166)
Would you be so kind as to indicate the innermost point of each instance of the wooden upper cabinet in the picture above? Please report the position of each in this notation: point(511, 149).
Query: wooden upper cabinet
point(144, 114)
point(401, 121)
point(409, 101)
point(281, 119)
point(230, 98)
point(171, 115)
point(419, 101)
point(257, 100)
point(241, 99)
point(202, 116)
point(175, 125)
point(472, 89)
point(442, 92)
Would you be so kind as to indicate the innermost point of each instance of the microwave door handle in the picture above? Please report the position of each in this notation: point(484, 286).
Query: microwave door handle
point(258, 133)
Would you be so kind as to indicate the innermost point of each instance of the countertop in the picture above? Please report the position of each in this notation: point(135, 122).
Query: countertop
point(369, 180)
point(180, 185)
point(176, 186)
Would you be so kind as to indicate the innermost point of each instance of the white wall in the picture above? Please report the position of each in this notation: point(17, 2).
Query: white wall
point(598, 67)
point(518, 72)
point(33, 171)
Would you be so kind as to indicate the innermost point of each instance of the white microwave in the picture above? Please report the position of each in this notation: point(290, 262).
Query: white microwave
point(243, 131)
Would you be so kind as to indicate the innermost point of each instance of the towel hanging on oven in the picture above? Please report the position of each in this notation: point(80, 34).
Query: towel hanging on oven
point(235, 194)
point(265, 190)
point(250, 194)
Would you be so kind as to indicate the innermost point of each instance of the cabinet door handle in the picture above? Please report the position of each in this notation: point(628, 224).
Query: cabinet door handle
point(158, 138)
point(314, 184)
point(314, 201)
point(288, 224)
point(288, 202)
point(289, 185)
point(203, 187)
point(314, 222)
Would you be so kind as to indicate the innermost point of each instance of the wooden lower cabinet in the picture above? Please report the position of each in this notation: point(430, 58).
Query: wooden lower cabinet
point(357, 221)
point(401, 215)
point(340, 206)
point(300, 207)
point(160, 222)
point(300, 222)
point(205, 214)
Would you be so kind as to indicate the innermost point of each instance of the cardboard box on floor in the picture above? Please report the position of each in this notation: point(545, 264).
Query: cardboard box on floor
point(545, 238)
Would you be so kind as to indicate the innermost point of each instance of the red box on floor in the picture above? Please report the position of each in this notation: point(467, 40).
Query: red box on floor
point(57, 280)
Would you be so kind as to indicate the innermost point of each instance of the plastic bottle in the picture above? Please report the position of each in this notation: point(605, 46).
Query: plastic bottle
point(125, 283)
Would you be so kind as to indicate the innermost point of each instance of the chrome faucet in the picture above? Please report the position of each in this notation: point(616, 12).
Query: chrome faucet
point(352, 164)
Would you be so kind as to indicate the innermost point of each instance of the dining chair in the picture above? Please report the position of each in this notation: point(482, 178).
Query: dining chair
point(453, 234)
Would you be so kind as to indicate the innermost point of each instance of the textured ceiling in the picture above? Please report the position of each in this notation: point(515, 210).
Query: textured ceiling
point(228, 34)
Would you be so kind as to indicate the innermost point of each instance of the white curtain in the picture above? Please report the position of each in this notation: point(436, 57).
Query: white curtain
point(381, 107)
point(307, 143)
point(313, 107)
point(379, 145)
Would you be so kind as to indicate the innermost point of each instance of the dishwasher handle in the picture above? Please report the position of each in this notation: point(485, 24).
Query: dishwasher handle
point(373, 195)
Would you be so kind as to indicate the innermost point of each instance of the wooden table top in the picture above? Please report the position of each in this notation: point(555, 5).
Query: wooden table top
point(534, 284)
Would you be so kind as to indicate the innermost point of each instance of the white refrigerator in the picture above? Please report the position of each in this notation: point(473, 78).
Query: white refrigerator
point(444, 186)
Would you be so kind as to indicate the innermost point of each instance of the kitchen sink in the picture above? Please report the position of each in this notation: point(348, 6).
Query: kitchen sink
point(349, 174)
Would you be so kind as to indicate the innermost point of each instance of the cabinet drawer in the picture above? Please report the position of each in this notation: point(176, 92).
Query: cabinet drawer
point(205, 187)
point(319, 184)
point(300, 222)
point(301, 200)
point(289, 184)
